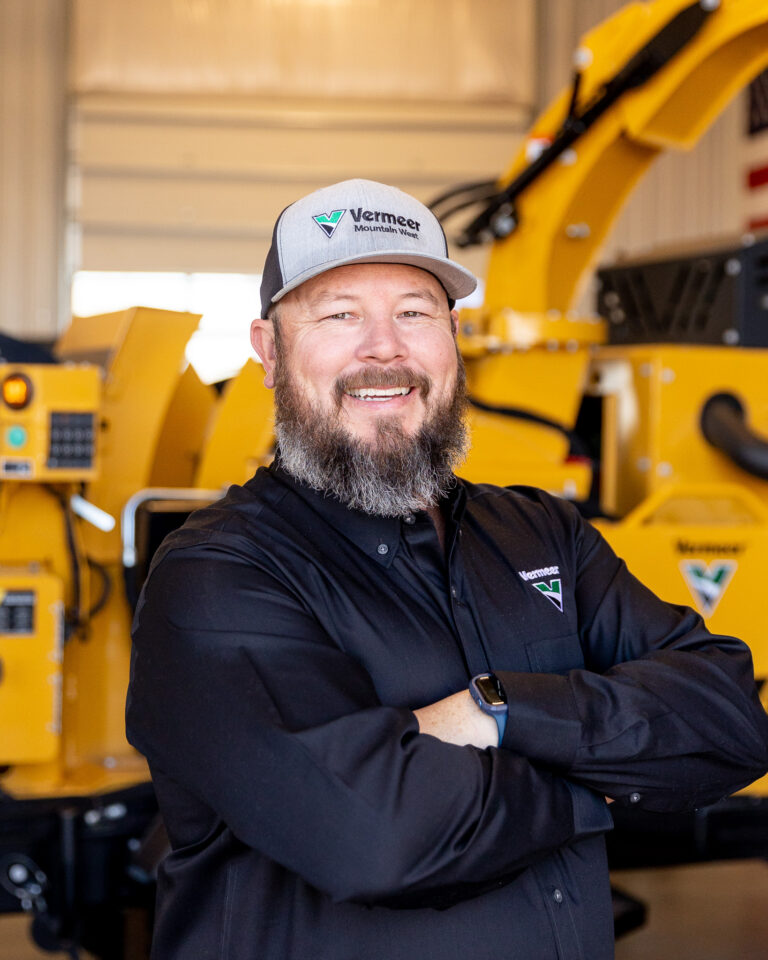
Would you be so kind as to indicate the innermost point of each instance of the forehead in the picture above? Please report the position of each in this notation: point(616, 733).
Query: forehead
point(366, 279)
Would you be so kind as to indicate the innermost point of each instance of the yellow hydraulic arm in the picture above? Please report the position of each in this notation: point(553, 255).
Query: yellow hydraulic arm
point(560, 220)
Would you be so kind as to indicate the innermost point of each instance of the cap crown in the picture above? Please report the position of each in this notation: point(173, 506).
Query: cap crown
point(356, 221)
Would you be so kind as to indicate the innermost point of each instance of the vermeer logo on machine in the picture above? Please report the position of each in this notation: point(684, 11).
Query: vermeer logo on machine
point(708, 581)
point(329, 221)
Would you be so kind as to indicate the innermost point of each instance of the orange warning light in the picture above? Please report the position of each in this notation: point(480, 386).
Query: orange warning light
point(17, 391)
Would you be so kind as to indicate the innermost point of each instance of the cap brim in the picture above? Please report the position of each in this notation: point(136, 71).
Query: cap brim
point(457, 280)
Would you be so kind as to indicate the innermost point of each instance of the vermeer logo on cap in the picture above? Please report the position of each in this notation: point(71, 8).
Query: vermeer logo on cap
point(329, 221)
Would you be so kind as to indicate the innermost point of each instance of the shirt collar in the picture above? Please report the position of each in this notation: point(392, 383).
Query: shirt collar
point(378, 537)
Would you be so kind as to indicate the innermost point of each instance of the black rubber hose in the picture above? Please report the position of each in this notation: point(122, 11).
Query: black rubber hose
point(724, 425)
point(577, 446)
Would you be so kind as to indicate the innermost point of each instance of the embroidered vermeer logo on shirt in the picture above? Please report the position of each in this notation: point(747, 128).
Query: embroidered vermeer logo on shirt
point(708, 582)
point(329, 221)
point(552, 589)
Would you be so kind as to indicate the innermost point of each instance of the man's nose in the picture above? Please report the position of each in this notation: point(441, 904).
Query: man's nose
point(382, 340)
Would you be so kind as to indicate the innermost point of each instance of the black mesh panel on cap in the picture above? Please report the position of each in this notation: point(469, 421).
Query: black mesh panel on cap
point(272, 277)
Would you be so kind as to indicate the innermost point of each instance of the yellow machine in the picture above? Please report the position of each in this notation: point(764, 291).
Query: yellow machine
point(102, 452)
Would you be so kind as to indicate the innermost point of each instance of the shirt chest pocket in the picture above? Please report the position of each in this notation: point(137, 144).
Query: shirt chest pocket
point(555, 654)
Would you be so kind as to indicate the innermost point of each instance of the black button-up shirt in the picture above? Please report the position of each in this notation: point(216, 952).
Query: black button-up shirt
point(282, 642)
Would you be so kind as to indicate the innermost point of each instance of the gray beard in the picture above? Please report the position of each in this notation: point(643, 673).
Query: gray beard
point(393, 475)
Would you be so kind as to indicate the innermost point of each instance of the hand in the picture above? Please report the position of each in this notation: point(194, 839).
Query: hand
point(457, 719)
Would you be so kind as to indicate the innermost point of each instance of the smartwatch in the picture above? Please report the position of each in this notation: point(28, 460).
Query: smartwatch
point(488, 693)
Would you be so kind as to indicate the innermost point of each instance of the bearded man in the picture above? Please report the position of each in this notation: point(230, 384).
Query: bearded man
point(372, 736)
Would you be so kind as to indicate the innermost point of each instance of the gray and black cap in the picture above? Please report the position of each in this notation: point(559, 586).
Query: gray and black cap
point(357, 221)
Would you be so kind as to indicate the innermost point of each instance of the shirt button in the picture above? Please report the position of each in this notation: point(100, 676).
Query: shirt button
point(453, 592)
point(557, 895)
point(383, 549)
point(634, 798)
point(409, 519)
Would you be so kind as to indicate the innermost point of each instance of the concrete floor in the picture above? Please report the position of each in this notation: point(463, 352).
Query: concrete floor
point(704, 912)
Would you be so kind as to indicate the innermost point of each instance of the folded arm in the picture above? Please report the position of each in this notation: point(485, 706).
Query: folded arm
point(665, 715)
point(282, 734)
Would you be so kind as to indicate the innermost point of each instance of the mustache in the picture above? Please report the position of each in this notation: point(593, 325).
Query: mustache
point(381, 377)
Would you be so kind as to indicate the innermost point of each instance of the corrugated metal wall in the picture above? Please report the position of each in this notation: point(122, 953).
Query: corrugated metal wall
point(33, 42)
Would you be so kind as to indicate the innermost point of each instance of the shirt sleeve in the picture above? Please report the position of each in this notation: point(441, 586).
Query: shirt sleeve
point(237, 693)
point(666, 715)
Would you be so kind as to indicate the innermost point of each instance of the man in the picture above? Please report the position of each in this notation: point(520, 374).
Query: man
point(304, 652)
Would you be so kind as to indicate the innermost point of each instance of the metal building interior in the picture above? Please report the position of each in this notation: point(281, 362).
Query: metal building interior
point(160, 138)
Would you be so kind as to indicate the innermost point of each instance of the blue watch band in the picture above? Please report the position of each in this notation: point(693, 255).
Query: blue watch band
point(501, 723)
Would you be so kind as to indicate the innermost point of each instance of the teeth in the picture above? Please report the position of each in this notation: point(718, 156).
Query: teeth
point(379, 393)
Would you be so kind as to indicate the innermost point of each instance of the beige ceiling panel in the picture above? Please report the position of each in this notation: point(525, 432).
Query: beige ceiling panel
point(184, 149)
point(182, 203)
point(104, 249)
point(476, 50)
point(302, 112)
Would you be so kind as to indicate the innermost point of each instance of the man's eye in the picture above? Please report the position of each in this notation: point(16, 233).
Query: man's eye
point(344, 315)
point(412, 314)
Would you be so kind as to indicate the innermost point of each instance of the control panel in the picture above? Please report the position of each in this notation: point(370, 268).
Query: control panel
point(48, 421)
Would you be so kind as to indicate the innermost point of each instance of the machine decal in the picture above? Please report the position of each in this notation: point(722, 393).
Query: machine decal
point(329, 221)
point(552, 591)
point(707, 581)
point(685, 546)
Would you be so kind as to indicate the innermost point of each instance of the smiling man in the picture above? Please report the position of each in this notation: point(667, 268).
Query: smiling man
point(369, 388)
point(385, 709)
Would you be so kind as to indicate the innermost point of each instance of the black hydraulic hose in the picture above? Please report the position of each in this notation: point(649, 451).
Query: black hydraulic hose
point(499, 217)
point(724, 425)
point(72, 618)
point(476, 187)
point(461, 197)
point(577, 446)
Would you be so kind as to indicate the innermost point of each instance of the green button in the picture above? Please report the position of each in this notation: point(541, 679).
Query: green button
point(16, 437)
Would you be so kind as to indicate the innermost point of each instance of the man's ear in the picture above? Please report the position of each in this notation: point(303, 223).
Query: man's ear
point(263, 342)
point(455, 322)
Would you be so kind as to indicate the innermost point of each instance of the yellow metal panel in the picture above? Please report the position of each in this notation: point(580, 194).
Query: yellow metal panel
point(31, 621)
point(242, 432)
point(504, 467)
point(549, 383)
point(143, 373)
point(95, 686)
point(181, 439)
point(673, 552)
point(94, 338)
point(33, 534)
point(655, 428)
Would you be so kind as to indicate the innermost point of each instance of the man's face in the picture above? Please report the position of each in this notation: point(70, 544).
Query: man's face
point(369, 387)
point(368, 342)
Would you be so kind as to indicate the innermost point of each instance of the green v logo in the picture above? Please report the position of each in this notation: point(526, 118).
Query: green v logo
point(707, 582)
point(552, 591)
point(329, 221)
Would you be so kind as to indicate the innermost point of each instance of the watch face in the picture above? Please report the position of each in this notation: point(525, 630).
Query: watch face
point(491, 690)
